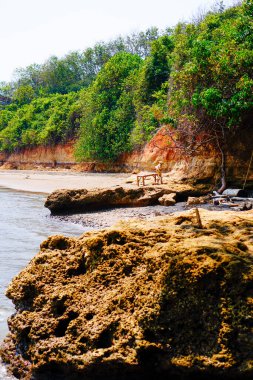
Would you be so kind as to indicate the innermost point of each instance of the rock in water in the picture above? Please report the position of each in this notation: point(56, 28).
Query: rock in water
point(82, 200)
point(143, 300)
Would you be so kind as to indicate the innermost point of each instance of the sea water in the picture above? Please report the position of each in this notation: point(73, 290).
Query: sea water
point(24, 224)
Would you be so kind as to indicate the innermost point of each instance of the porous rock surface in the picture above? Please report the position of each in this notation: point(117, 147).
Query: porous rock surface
point(81, 200)
point(155, 300)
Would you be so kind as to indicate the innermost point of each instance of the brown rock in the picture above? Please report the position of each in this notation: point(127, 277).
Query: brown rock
point(168, 199)
point(246, 206)
point(141, 300)
point(197, 200)
point(81, 200)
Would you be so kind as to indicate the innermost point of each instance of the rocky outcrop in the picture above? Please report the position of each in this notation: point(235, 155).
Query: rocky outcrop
point(82, 200)
point(160, 300)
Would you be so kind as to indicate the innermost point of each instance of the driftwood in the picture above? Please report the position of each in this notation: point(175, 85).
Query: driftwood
point(200, 225)
point(238, 199)
point(229, 204)
point(220, 196)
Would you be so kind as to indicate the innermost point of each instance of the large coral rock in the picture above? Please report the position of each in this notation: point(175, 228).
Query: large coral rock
point(155, 300)
point(62, 201)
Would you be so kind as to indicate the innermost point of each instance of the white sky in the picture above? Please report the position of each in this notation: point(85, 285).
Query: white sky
point(33, 30)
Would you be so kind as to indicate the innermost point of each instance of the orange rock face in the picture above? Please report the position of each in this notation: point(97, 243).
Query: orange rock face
point(203, 166)
point(40, 156)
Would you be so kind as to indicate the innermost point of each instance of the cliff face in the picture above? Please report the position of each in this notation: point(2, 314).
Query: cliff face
point(61, 155)
point(158, 299)
point(203, 166)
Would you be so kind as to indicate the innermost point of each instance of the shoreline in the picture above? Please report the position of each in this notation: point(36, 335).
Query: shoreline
point(45, 182)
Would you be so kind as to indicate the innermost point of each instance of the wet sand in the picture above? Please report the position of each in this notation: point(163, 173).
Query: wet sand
point(48, 181)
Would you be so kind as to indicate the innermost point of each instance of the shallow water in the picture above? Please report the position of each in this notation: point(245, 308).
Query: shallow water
point(24, 224)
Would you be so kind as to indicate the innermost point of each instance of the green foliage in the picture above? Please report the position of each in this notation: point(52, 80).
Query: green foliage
point(212, 75)
point(144, 127)
point(119, 109)
point(197, 78)
point(156, 69)
point(23, 95)
point(77, 70)
point(45, 121)
point(36, 117)
point(108, 111)
point(150, 96)
point(6, 89)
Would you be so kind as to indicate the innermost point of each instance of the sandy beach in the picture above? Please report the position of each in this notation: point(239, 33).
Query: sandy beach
point(48, 181)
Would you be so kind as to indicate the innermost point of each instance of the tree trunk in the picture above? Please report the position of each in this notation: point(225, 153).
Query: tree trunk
point(221, 144)
point(223, 171)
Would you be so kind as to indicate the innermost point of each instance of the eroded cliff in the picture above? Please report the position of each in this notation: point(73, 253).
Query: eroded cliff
point(202, 166)
point(158, 299)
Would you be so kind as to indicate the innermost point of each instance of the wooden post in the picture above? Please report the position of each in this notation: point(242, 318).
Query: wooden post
point(200, 225)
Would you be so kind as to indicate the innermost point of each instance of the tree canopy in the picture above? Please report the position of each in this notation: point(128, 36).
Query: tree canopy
point(197, 79)
point(108, 112)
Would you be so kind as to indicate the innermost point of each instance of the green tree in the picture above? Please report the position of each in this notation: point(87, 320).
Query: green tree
point(23, 95)
point(44, 121)
point(108, 112)
point(211, 92)
point(150, 94)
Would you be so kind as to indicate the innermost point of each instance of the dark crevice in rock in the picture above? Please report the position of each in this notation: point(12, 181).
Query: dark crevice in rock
point(62, 327)
point(89, 316)
point(58, 306)
point(115, 237)
point(24, 342)
point(63, 324)
point(105, 339)
point(78, 269)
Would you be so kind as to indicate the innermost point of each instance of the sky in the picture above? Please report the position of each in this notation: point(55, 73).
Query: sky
point(33, 30)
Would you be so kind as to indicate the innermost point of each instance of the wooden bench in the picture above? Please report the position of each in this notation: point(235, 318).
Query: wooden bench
point(141, 179)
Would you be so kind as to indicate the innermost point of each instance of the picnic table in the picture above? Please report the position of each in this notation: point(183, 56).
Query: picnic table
point(141, 178)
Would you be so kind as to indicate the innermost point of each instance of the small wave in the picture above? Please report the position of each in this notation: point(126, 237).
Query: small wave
point(3, 373)
point(3, 315)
